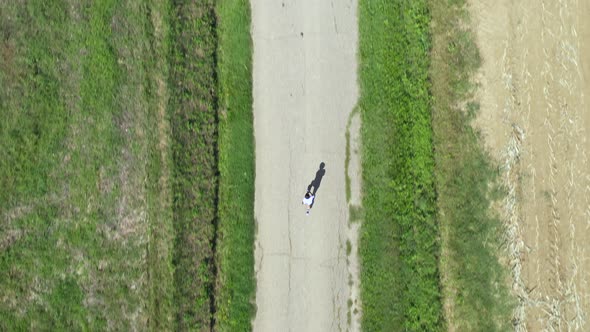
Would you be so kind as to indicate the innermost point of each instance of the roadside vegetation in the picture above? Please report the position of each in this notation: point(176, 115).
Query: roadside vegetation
point(430, 242)
point(235, 289)
point(399, 245)
point(111, 155)
point(474, 282)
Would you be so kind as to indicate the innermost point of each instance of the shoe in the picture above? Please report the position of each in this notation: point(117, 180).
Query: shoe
point(307, 213)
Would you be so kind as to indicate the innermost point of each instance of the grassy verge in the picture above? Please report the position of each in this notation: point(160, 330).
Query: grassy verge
point(475, 288)
point(235, 287)
point(399, 236)
point(193, 119)
point(75, 141)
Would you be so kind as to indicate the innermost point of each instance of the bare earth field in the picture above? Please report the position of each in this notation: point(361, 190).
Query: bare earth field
point(534, 117)
point(304, 90)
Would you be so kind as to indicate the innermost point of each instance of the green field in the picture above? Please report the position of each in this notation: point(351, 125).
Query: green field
point(115, 167)
point(78, 216)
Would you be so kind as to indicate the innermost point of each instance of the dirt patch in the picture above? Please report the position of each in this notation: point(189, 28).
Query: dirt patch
point(534, 118)
point(353, 168)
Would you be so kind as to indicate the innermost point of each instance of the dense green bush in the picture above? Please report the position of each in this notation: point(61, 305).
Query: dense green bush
point(193, 118)
point(400, 242)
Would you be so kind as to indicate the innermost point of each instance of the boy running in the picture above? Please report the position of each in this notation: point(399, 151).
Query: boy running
point(308, 201)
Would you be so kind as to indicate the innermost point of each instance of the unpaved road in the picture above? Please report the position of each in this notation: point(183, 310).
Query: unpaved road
point(304, 90)
point(535, 116)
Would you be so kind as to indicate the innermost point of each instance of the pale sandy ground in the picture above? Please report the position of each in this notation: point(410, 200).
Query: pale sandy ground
point(305, 87)
point(535, 117)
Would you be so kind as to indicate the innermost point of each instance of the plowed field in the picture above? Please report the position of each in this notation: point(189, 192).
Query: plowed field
point(534, 117)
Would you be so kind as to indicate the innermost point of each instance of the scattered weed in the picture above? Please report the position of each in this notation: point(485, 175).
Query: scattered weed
point(476, 296)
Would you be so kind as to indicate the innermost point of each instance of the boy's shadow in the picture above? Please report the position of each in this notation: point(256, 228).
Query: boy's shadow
point(315, 183)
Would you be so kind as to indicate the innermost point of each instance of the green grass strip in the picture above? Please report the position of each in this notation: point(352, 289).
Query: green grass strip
point(235, 289)
point(399, 236)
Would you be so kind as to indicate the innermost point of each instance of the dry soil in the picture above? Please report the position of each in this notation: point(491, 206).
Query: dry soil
point(535, 116)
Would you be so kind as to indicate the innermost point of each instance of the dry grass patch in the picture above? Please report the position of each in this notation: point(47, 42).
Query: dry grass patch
point(474, 282)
